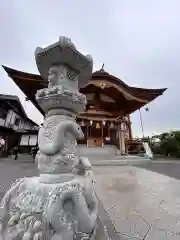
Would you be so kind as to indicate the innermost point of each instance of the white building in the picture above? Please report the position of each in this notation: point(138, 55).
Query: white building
point(15, 124)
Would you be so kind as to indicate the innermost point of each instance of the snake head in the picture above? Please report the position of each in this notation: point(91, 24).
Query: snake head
point(74, 129)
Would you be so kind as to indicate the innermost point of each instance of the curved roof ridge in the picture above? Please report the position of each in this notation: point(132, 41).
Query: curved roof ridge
point(133, 90)
point(26, 80)
point(106, 74)
point(96, 73)
point(149, 89)
point(14, 71)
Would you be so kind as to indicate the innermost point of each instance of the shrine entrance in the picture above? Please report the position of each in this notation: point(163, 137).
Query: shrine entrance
point(95, 135)
point(97, 132)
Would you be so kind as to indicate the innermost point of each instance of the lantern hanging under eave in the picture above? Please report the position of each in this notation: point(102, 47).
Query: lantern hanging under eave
point(91, 122)
point(104, 123)
point(97, 125)
point(82, 124)
point(123, 126)
point(112, 125)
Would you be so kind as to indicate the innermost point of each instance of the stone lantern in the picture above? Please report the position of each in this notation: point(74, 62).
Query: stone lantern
point(60, 203)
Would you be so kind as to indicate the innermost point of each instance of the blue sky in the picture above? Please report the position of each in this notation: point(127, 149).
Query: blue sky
point(138, 41)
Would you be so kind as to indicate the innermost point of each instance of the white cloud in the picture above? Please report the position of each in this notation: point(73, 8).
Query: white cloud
point(139, 41)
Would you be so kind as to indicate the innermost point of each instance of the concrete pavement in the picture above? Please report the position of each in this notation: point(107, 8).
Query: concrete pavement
point(141, 204)
point(138, 203)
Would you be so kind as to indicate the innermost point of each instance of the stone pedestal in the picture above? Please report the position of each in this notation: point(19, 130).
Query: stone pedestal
point(60, 203)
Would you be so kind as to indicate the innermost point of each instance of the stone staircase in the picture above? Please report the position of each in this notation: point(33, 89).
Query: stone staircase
point(106, 152)
point(109, 156)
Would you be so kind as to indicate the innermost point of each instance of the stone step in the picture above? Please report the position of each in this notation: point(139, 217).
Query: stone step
point(109, 150)
point(112, 157)
point(114, 162)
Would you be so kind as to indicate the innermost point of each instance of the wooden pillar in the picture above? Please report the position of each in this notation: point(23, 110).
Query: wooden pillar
point(102, 133)
point(119, 136)
point(87, 133)
point(108, 128)
point(90, 126)
point(121, 140)
point(129, 127)
point(123, 147)
point(6, 143)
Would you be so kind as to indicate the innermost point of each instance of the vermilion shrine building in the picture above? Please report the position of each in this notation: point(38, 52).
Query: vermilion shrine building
point(106, 119)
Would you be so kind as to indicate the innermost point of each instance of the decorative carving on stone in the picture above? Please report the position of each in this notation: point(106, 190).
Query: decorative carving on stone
point(60, 203)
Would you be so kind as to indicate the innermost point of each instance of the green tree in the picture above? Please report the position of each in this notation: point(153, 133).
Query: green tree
point(169, 144)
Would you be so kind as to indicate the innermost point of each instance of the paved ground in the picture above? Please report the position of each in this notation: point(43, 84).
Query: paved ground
point(141, 204)
point(170, 168)
point(10, 170)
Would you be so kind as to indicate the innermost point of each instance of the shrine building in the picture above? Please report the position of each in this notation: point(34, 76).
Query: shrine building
point(110, 101)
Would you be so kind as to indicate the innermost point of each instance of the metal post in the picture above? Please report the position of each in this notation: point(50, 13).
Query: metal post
point(141, 122)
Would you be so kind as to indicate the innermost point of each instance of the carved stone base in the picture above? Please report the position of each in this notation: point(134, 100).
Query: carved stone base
point(32, 210)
